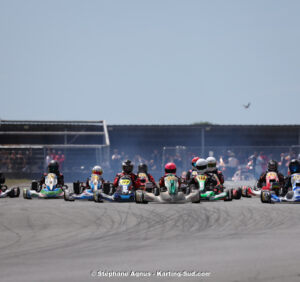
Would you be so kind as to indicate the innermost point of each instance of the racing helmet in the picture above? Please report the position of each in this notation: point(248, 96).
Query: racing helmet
point(170, 168)
point(211, 164)
point(53, 167)
point(272, 165)
point(127, 166)
point(201, 165)
point(294, 166)
point(142, 168)
point(97, 170)
point(194, 160)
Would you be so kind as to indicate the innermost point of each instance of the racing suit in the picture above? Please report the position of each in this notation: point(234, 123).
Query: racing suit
point(218, 174)
point(136, 183)
point(150, 178)
point(162, 181)
point(60, 179)
point(210, 181)
point(262, 179)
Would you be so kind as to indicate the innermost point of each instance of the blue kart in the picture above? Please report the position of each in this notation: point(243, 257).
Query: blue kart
point(123, 193)
point(292, 196)
point(81, 192)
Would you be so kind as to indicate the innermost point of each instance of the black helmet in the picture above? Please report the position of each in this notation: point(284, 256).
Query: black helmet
point(53, 167)
point(142, 168)
point(294, 166)
point(127, 166)
point(272, 166)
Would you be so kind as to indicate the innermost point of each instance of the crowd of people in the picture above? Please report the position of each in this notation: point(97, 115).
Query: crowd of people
point(16, 161)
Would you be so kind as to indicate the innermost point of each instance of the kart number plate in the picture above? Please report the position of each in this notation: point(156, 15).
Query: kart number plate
point(201, 177)
point(169, 178)
point(124, 182)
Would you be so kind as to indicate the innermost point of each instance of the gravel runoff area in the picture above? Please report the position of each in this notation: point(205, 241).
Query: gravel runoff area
point(242, 240)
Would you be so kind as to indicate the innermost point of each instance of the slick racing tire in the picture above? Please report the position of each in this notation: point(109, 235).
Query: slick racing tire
point(14, 193)
point(140, 197)
point(97, 197)
point(77, 188)
point(106, 188)
point(3, 188)
point(265, 197)
point(290, 195)
point(198, 201)
point(26, 194)
point(228, 197)
point(35, 186)
point(67, 196)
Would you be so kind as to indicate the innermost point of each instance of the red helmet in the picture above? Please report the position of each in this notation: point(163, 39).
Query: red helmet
point(170, 168)
point(194, 160)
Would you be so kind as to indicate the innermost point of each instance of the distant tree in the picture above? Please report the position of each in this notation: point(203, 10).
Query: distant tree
point(202, 123)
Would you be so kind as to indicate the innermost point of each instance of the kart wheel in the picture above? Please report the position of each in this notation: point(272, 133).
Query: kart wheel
point(139, 196)
point(156, 191)
point(77, 188)
point(97, 197)
point(67, 196)
point(14, 193)
point(3, 188)
point(35, 186)
point(228, 197)
point(197, 202)
point(265, 197)
point(26, 194)
point(290, 195)
point(106, 188)
point(237, 193)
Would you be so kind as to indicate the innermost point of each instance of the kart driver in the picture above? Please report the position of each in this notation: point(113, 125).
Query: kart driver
point(127, 167)
point(212, 168)
point(294, 167)
point(189, 173)
point(201, 166)
point(272, 167)
point(170, 168)
point(143, 168)
point(53, 167)
point(98, 171)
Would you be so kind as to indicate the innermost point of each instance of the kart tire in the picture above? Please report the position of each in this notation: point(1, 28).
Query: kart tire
point(139, 197)
point(197, 202)
point(106, 188)
point(97, 197)
point(228, 197)
point(156, 191)
point(67, 196)
point(26, 194)
point(238, 193)
point(290, 195)
point(265, 197)
point(3, 188)
point(14, 193)
point(35, 186)
point(77, 188)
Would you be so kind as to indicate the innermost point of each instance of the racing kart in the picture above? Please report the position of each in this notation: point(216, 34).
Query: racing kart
point(81, 192)
point(12, 192)
point(209, 192)
point(272, 184)
point(49, 190)
point(292, 196)
point(171, 193)
point(124, 192)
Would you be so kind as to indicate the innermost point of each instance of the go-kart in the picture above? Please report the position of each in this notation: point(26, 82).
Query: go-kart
point(81, 192)
point(124, 192)
point(272, 184)
point(12, 192)
point(292, 196)
point(171, 193)
point(210, 192)
point(49, 190)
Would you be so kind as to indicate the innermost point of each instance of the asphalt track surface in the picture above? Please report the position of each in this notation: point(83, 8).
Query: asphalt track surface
point(54, 240)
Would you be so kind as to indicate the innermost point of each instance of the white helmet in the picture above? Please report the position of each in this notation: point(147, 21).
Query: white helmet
point(201, 165)
point(97, 170)
point(211, 164)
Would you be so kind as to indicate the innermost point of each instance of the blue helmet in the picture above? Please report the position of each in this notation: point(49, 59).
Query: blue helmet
point(294, 166)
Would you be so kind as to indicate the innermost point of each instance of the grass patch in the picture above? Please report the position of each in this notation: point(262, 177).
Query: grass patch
point(16, 182)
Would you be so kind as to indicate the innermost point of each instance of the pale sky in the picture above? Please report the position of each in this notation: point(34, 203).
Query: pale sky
point(151, 62)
